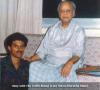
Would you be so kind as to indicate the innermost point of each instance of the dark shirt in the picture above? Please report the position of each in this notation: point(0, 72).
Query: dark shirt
point(11, 76)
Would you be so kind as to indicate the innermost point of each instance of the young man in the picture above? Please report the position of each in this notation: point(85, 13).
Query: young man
point(61, 51)
point(14, 70)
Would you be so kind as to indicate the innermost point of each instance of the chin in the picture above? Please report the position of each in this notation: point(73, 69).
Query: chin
point(19, 56)
point(66, 21)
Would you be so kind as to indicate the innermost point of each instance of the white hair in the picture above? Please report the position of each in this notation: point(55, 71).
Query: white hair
point(65, 1)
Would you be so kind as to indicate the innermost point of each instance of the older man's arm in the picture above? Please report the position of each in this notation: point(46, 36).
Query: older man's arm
point(78, 53)
point(68, 66)
point(74, 59)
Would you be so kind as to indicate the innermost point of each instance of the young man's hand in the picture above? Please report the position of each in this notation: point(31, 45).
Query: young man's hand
point(32, 58)
point(29, 59)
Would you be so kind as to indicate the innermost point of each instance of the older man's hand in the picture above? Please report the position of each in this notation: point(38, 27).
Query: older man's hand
point(65, 71)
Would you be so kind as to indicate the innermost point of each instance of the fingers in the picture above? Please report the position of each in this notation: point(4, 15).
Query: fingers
point(64, 72)
point(27, 58)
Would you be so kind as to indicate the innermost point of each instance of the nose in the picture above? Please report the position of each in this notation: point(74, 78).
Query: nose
point(20, 48)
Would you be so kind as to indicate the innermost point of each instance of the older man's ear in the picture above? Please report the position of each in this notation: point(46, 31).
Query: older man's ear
point(74, 13)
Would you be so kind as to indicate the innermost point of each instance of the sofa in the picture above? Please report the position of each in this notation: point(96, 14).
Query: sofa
point(91, 56)
point(92, 51)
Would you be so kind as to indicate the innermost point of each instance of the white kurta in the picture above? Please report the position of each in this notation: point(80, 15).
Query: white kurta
point(57, 47)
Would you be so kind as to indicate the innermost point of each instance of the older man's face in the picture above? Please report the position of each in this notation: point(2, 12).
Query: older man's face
point(17, 48)
point(66, 12)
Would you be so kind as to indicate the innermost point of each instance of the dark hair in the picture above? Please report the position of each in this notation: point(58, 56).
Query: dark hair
point(13, 37)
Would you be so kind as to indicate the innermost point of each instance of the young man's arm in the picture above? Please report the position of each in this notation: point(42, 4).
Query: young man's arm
point(33, 58)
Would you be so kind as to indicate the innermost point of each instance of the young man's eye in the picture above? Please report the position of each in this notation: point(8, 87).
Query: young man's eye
point(16, 46)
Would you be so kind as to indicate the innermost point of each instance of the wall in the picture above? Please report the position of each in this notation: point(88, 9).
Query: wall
point(91, 25)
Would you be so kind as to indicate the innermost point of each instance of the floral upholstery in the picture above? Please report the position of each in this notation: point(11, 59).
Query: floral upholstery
point(33, 43)
point(92, 52)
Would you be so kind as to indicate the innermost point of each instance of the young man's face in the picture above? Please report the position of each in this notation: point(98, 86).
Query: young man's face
point(17, 49)
point(66, 12)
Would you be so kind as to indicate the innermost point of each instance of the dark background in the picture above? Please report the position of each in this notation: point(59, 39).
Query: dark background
point(85, 8)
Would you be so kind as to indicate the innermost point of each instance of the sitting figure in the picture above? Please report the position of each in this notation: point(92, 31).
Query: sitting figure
point(61, 51)
point(14, 70)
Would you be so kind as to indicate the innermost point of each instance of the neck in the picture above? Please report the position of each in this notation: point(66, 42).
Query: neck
point(15, 62)
point(65, 25)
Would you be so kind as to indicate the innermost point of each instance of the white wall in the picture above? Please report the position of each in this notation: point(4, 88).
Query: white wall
point(91, 25)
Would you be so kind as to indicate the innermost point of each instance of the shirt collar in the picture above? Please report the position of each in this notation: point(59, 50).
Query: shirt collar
point(10, 64)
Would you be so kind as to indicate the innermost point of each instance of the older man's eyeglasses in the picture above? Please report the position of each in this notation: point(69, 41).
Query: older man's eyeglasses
point(66, 11)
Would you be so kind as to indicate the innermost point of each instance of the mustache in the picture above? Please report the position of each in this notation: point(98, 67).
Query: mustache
point(19, 51)
point(65, 17)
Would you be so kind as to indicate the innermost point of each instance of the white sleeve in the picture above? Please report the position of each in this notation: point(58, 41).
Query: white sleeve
point(80, 43)
point(79, 48)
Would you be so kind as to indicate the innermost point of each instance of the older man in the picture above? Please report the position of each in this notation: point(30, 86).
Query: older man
point(14, 70)
point(61, 51)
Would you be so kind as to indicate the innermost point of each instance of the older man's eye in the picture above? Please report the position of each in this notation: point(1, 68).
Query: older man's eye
point(66, 11)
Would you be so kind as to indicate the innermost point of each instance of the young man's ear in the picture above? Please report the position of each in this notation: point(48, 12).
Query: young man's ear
point(9, 49)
